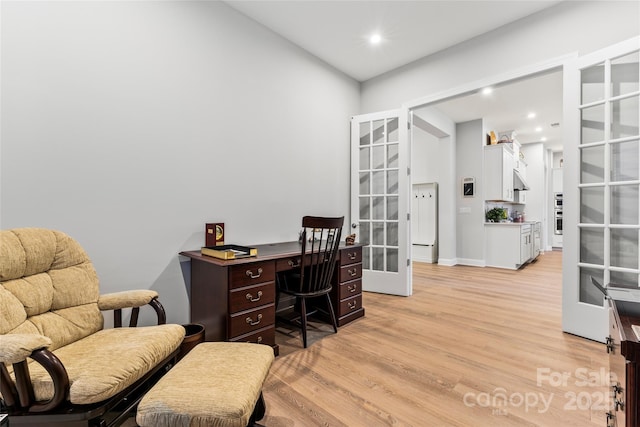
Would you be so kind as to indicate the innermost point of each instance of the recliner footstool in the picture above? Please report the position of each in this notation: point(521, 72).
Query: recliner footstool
point(217, 384)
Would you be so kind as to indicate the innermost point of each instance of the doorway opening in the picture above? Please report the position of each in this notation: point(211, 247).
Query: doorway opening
point(529, 105)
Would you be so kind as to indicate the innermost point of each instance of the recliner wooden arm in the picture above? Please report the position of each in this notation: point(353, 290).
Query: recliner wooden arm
point(14, 349)
point(135, 299)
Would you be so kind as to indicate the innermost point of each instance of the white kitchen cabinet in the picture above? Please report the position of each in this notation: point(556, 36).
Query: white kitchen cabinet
point(508, 245)
point(498, 173)
point(526, 244)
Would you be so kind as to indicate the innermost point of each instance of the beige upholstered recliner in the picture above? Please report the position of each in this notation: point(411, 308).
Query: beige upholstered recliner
point(58, 366)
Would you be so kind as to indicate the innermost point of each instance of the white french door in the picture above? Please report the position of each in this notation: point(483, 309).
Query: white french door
point(380, 199)
point(601, 183)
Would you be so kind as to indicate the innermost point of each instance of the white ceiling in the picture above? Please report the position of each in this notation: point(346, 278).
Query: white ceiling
point(508, 106)
point(337, 32)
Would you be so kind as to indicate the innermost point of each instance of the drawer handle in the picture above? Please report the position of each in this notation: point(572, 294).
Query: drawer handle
point(252, 299)
point(352, 255)
point(254, 276)
point(352, 288)
point(250, 321)
point(352, 305)
point(294, 264)
point(258, 341)
point(353, 272)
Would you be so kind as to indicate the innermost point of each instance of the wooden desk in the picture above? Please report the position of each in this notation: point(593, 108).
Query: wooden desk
point(235, 299)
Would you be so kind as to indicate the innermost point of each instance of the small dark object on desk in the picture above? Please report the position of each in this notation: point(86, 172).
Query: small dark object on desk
point(350, 239)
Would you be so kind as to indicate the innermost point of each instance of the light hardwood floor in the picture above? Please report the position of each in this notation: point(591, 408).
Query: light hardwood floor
point(471, 347)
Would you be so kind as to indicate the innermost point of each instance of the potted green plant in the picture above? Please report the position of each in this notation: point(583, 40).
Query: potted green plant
point(496, 214)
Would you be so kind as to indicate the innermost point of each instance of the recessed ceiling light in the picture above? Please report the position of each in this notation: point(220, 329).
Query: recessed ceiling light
point(543, 139)
point(487, 90)
point(375, 39)
point(531, 115)
point(538, 129)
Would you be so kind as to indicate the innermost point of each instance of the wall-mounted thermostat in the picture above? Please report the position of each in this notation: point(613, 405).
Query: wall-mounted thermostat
point(468, 187)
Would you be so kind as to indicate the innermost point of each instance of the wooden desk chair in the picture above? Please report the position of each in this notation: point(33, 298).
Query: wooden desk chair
point(313, 277)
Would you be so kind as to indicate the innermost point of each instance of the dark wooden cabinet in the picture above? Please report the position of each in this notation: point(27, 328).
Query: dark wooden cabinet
point(623, 347)
point(346, 294)
point(235, 299)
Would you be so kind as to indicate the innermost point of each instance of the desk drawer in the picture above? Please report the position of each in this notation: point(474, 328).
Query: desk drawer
point(349, 305)
point(288, 263)
point(251, 274)
point(241, 299)
point(350, 256)
point(262, 336)
point(350, 272)
point(251, 320)
point(350, 289)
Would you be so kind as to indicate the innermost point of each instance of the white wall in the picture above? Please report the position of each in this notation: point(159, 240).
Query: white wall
point(571, 26)
point(129, 125)
point(470, 137)
point(424, 156)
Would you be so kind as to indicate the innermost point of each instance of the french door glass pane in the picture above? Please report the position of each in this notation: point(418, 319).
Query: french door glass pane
point(592, 124)
point(377, 235)
point(377, 183)
point(392, 130)
point(624, 117)
point(592, 164)
point(365, 183)
point(377, 207)
point(365, 237)
point(392, 208)
point(377, 259)
point(378, 157)
point(592, 205)
point(588, 293)
point(365, 134)
point(592, 245)
point(624, 161)
point(392, 259)
point(392, 155)
point(624, 204)
point(392, 234)
point(592, 84)
point(378, 132)
point(365, 210)
point(624, 74)
point(392, 182)
point(365, 161)
point(624, 278)
point(624, 248)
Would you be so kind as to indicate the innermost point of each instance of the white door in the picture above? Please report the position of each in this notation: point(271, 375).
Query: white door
point(380, 199)
point(601, 182)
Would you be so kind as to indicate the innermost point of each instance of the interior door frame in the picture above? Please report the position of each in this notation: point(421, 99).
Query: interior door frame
point(472, 87)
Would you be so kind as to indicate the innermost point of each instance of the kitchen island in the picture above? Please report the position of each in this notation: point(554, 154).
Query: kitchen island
point(511, 245)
